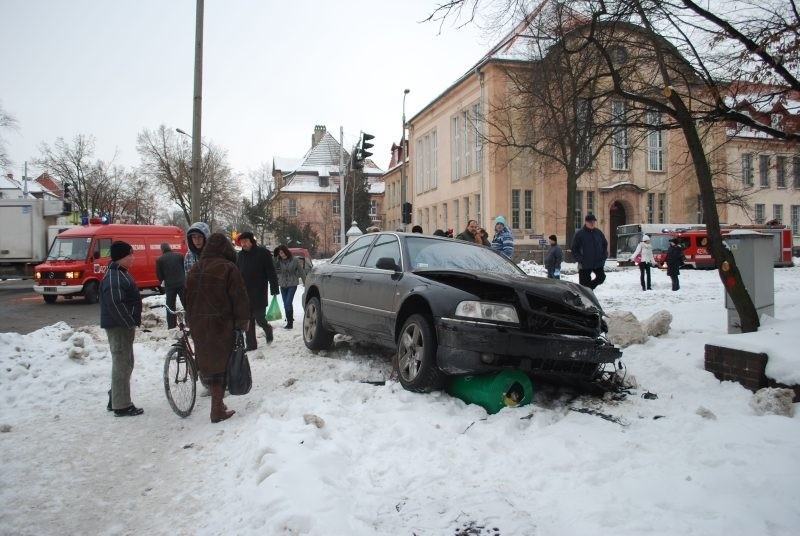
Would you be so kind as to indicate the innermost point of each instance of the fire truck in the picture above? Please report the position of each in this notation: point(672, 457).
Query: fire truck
point(693, 239)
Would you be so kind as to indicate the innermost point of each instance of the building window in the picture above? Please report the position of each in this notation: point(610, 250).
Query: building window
point(478, 208)
point(662, 208)
point(528, 209)
point(777, 213)
point(515, 205)
point(585, 126)
point(655, 143)
point(464, 142)
point(427, 220)
point(619, 137)
point(434, 160)
point(796, 171)
point(781, 165)
point(324, 182)
point(337, 207)
point(590, 209)
point(373, 208)
point(578, 209)
point(763, 170)
point(795, 219)
point(434, 218)
point(426, 168)
point(747, 169)
point(444, 216)
point(291, 210)
point(760, 213)
point(456, 222)
point(455, 148)
point(651, 208)
point(476, 147)
point(337, 236)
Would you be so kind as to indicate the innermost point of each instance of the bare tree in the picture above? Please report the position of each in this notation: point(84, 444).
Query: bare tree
point(7, 122)
point(167, 160)
point(94, 185)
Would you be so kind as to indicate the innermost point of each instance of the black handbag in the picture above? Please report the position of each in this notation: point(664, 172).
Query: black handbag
point(238, 373)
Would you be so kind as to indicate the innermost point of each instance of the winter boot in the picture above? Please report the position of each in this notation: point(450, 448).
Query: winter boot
point(289, 321)
point(218, 410)
point(268, 333)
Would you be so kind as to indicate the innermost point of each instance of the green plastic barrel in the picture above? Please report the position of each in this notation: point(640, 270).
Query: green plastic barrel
point(493, 392)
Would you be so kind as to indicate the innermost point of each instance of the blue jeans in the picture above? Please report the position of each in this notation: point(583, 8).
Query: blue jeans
point(287, 293)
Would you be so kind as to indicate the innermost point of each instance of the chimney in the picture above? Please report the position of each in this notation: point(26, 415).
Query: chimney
point(319, 131)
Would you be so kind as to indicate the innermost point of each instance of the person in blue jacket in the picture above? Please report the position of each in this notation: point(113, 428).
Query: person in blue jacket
point(503, 240)
point(590, 250)
point(120, 313)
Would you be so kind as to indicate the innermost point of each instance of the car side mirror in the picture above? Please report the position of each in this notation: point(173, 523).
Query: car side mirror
point(387, 263)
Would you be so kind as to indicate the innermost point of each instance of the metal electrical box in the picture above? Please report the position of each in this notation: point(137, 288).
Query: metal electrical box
point(754, 257)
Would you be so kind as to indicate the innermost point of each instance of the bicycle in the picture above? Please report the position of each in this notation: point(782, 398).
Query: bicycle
point(180, 370)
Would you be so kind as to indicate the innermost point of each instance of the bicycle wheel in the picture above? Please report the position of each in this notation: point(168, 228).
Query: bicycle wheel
point(180, 381)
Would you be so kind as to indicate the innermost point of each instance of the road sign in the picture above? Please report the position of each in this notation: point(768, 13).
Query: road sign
point(542, 242)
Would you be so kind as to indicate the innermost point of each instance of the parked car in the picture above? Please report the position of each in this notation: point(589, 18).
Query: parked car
point(450, 308)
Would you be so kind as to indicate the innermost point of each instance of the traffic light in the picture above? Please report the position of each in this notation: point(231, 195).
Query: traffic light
point(406, 212)
point(365, 145)
point(361, 152)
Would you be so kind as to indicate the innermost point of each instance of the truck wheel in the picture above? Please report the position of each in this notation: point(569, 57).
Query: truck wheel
point(49, 298)
point(91, 293)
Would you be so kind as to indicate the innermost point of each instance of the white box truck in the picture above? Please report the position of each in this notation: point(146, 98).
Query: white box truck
point(27, 228)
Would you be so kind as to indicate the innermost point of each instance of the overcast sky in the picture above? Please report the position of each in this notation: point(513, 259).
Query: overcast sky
point(272, 70)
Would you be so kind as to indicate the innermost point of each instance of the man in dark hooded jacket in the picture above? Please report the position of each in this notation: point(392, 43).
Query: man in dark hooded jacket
point(170, 271)
point(258, 271)
point(196, 238)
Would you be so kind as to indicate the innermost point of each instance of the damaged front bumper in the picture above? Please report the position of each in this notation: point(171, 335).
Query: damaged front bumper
point(474, 347)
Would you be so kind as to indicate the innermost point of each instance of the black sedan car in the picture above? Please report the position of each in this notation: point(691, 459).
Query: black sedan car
point(450, 307)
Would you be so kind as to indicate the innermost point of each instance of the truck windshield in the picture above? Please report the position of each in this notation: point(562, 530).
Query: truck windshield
point(69, 249)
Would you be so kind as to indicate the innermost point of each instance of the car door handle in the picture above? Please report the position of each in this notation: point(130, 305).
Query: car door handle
point(357, 279)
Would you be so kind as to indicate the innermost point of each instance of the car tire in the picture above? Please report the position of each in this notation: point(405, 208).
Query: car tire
point(416, 356)
point(91, 292)
point(49, 298)
point(315, 335)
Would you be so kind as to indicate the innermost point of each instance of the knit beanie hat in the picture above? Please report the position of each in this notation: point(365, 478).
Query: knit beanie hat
point(120, 250)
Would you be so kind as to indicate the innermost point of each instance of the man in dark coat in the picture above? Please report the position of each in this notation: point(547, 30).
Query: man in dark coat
point(674, 262)
point(216, 306)
point(258, 270)
point(554, 258)
point(590, 250)
point(120, 313)
point(472, 234)
point(169, 269)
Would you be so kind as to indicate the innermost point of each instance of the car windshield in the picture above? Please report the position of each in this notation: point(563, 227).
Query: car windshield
point(431, 254)
point(74, 249)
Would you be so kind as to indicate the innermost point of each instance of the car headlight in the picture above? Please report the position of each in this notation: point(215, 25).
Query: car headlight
point(38, 275)
point(495, 312)
point(73, 275)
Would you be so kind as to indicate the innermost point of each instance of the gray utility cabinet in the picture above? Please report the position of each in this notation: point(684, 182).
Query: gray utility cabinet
point(754, 257)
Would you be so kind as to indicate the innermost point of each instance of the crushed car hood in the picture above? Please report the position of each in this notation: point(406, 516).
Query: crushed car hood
point(484, 284)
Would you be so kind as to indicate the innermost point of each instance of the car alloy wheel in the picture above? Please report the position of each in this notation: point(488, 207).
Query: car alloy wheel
point(416, 355)
point(315, 336)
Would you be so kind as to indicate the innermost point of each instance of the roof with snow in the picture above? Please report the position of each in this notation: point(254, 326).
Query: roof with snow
point(320, 162)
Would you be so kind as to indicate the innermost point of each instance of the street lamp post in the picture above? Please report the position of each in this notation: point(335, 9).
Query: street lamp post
point(403, 156)
point(197, 109)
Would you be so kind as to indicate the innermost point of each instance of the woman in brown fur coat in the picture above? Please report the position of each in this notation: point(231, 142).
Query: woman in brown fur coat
point(216, 306)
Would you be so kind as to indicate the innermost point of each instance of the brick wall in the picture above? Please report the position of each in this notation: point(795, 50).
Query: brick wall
point(746, 368)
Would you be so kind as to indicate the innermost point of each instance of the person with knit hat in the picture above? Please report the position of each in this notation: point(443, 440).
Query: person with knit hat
point(120, 314)
point(503, 241)
point(258, 270)
point(643, 258)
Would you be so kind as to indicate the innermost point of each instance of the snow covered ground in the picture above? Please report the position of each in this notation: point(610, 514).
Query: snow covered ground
point(696, 460)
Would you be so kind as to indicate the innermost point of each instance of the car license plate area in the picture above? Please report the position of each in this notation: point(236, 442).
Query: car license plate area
point(50, 289)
